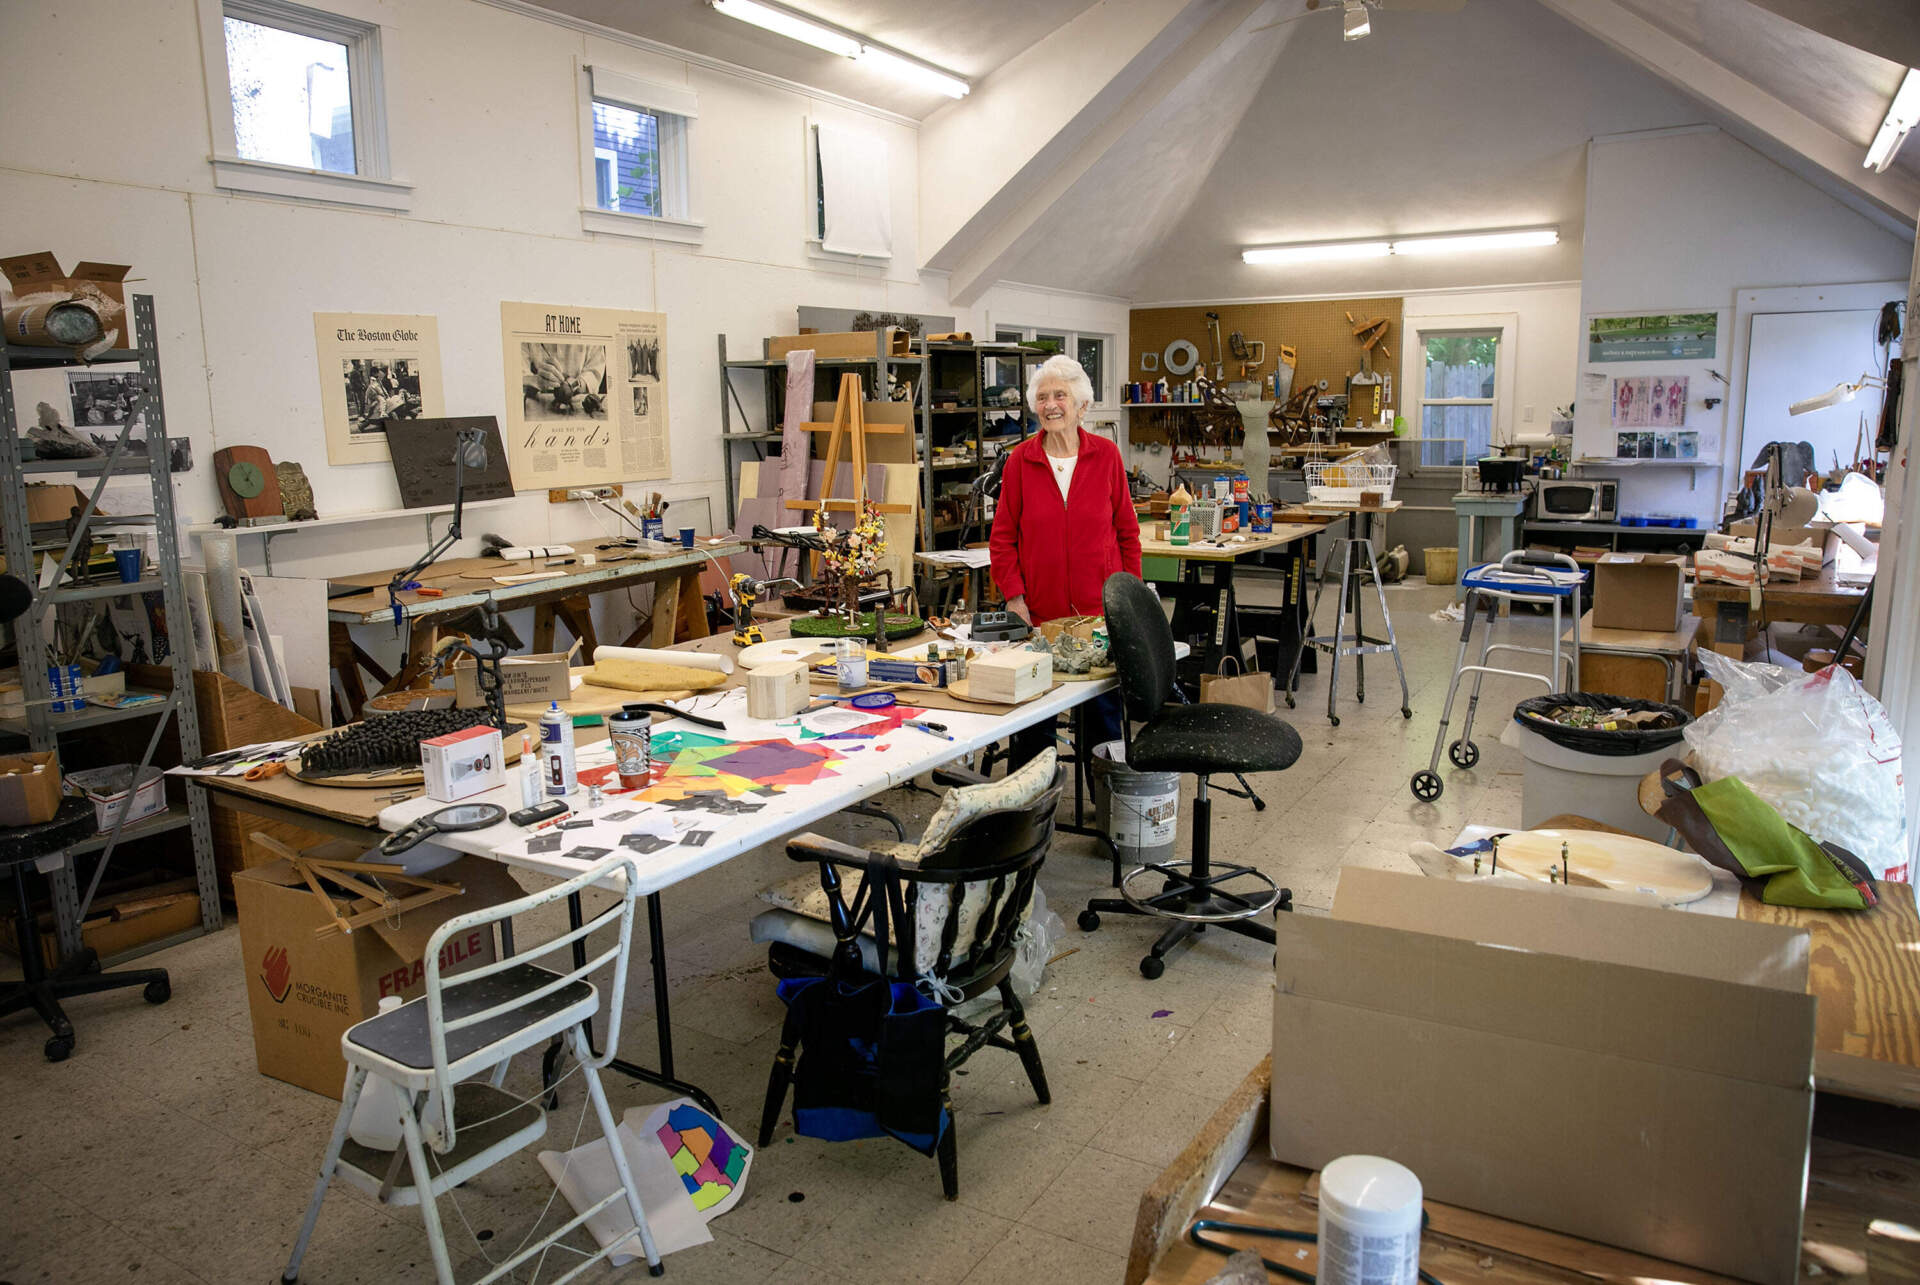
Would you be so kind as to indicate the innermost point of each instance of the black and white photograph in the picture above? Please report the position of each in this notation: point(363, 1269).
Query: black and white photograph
point(564, 381)
point(639, 399)
point(101, 399)
point(380, 389)
point(643, 359)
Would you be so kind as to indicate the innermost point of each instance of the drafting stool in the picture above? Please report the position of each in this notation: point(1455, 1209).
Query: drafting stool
point(39, 989)
point(1197, 739)
point(1518, 577)
point(1357, 558)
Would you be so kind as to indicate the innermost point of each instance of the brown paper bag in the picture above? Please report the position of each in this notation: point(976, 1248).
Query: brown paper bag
point(1253, 689)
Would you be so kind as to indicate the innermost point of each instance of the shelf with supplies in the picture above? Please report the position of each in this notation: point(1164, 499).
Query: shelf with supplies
point(769, 373)
point(971, 383)
point(38, 723)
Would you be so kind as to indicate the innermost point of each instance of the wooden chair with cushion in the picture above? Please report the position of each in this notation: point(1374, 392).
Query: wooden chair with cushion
point(965, 891)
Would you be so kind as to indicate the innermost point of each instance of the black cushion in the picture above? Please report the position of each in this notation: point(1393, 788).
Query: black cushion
point(1213, 738)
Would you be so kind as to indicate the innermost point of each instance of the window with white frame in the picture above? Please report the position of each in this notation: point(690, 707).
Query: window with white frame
point(636, 141)
point(849, 193)
point(297, 103)
point(1462, 383)
point(1090, 350)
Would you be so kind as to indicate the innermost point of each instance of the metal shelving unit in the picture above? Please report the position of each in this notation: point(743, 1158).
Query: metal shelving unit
point(44, 728)
point(771, 373)
point(966, 420)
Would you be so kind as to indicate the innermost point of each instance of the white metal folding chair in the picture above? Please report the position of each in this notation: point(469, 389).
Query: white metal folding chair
point(467, 1025)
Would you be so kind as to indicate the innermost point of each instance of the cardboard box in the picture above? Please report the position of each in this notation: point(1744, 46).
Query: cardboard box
point(43, 300)
point(924, 673)
point(56, 501)
point(1639, 591)
point(1582, 1062)
point(304, 990)
point(524, 679)
point(463, 763)
point(29, 787)
point(841, 343)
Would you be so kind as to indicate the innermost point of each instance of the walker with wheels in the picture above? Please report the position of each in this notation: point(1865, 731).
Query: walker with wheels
point(1542, 579)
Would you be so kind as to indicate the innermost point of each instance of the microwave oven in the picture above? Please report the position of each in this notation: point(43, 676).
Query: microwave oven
point(1565, 501)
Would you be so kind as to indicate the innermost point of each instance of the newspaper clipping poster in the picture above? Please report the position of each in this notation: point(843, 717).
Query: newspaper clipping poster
point(586, 395)
point(376, 371)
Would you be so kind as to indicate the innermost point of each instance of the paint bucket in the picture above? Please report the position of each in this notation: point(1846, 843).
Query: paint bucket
point(1139, 811)
point(1443, 565)
point(1263, 518)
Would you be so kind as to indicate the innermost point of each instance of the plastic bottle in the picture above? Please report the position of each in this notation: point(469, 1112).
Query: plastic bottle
point(1179, 516)
point(556, 752)
point(530, 784)
point(376, 1116)
point(1369, 1223)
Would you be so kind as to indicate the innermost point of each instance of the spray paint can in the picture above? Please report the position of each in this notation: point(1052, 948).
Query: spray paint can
point(556, 752)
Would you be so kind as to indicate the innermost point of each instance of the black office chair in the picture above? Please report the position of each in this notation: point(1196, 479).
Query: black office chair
point(1203, 740)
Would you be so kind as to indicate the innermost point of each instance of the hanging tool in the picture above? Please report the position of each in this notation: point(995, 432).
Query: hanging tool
point(1250, 353)
point(1213, 337)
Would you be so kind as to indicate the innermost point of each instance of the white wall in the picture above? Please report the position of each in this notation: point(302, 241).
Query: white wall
point(483, 120)
point(1681, 221)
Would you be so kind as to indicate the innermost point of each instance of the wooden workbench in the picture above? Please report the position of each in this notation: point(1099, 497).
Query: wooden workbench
point(1727, 609)
point(467, 582)
point(1205, 611)
point(1226, 1173)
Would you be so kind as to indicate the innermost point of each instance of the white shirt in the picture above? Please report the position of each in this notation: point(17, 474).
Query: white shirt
point(1063, 473)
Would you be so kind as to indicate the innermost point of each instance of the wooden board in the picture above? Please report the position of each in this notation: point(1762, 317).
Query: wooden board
point(1228, 1161)
point(1283, 534)
point(1624, 863)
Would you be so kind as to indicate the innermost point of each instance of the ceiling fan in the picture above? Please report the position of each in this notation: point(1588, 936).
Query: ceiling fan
point(1356, 15)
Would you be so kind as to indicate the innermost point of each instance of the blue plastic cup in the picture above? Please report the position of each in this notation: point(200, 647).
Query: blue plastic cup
point(686, 537)
point(128, 563)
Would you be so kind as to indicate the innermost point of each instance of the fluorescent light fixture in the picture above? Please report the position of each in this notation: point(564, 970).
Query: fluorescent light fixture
point(1841, 392)
point(1465, 242)
point(1313, 253)
point(797, 26)
point(1902, 115)
point(914, 71)
point(1356, 20)
point(1451, 243)
point(784, 22)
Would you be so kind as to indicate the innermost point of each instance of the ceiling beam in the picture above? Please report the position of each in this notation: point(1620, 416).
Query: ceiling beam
point(991, 245)
point(1832, 162)
point(1889, 29)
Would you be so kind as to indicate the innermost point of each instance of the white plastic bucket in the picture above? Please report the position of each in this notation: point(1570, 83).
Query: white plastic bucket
point(1599, 787)
point(1139, 811)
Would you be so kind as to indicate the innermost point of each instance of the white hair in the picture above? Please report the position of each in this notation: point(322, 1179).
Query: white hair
point(1066, 370)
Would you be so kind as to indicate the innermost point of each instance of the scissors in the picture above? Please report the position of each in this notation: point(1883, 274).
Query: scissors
point(261, 771)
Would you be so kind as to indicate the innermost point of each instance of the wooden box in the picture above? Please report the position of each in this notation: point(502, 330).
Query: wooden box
point(777, 690)
point(1010, 676)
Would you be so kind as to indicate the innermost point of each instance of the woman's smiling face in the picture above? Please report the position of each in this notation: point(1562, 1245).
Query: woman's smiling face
point(1054, 403)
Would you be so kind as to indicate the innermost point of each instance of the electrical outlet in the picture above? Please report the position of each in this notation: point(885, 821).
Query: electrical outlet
point(1526, 415)
point(588, 493)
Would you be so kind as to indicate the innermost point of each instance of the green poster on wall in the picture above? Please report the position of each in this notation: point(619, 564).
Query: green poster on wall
point(1684, 336)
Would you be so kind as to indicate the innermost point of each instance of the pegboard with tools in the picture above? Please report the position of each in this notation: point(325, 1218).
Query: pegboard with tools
point(1319, 331)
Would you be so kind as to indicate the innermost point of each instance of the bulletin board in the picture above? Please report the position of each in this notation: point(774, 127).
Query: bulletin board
point(1608, 423)
point(1318, 331)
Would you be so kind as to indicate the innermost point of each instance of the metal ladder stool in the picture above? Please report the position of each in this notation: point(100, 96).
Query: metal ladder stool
point(1518, 577)
point(1354, 642)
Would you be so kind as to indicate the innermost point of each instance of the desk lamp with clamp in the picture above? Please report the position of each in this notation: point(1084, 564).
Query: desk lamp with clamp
point(469, 452)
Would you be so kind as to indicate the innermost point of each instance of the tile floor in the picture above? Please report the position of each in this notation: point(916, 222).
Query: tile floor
point(159, 1154)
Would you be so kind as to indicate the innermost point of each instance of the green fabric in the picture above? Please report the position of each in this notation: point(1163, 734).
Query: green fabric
point(1797, 870)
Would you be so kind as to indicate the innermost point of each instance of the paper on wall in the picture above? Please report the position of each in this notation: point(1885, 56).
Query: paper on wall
point(375, 369)
point(586, 395)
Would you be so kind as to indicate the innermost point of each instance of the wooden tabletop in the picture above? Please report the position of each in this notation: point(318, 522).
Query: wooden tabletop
point(1822, 594)
point(1849, 1188)
point(1282, 535)
point(1675, 643)
point(465, 582)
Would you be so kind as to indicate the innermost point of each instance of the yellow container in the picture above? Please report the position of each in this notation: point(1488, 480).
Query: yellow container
point(1443, 565)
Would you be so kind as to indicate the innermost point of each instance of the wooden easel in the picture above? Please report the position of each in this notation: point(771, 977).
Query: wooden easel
point(313, 869)
point(849, 422)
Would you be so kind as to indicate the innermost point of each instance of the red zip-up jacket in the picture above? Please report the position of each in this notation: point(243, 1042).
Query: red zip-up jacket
point(1058, 555)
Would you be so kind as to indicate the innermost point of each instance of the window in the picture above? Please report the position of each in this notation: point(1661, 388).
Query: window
point(1462, 389)
point(1089, 350)
point(636, 137)
point(297, 103)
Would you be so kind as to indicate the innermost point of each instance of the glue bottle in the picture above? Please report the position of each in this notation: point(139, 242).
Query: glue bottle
point(1178, 515)
point(556, 752)
point(376, 1116)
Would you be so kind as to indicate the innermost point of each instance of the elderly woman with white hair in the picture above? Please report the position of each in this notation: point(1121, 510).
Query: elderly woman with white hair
point(1065, 519)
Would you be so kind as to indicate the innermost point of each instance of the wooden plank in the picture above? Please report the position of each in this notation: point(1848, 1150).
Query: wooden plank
point(1849, 1187)
point(1283, 534)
